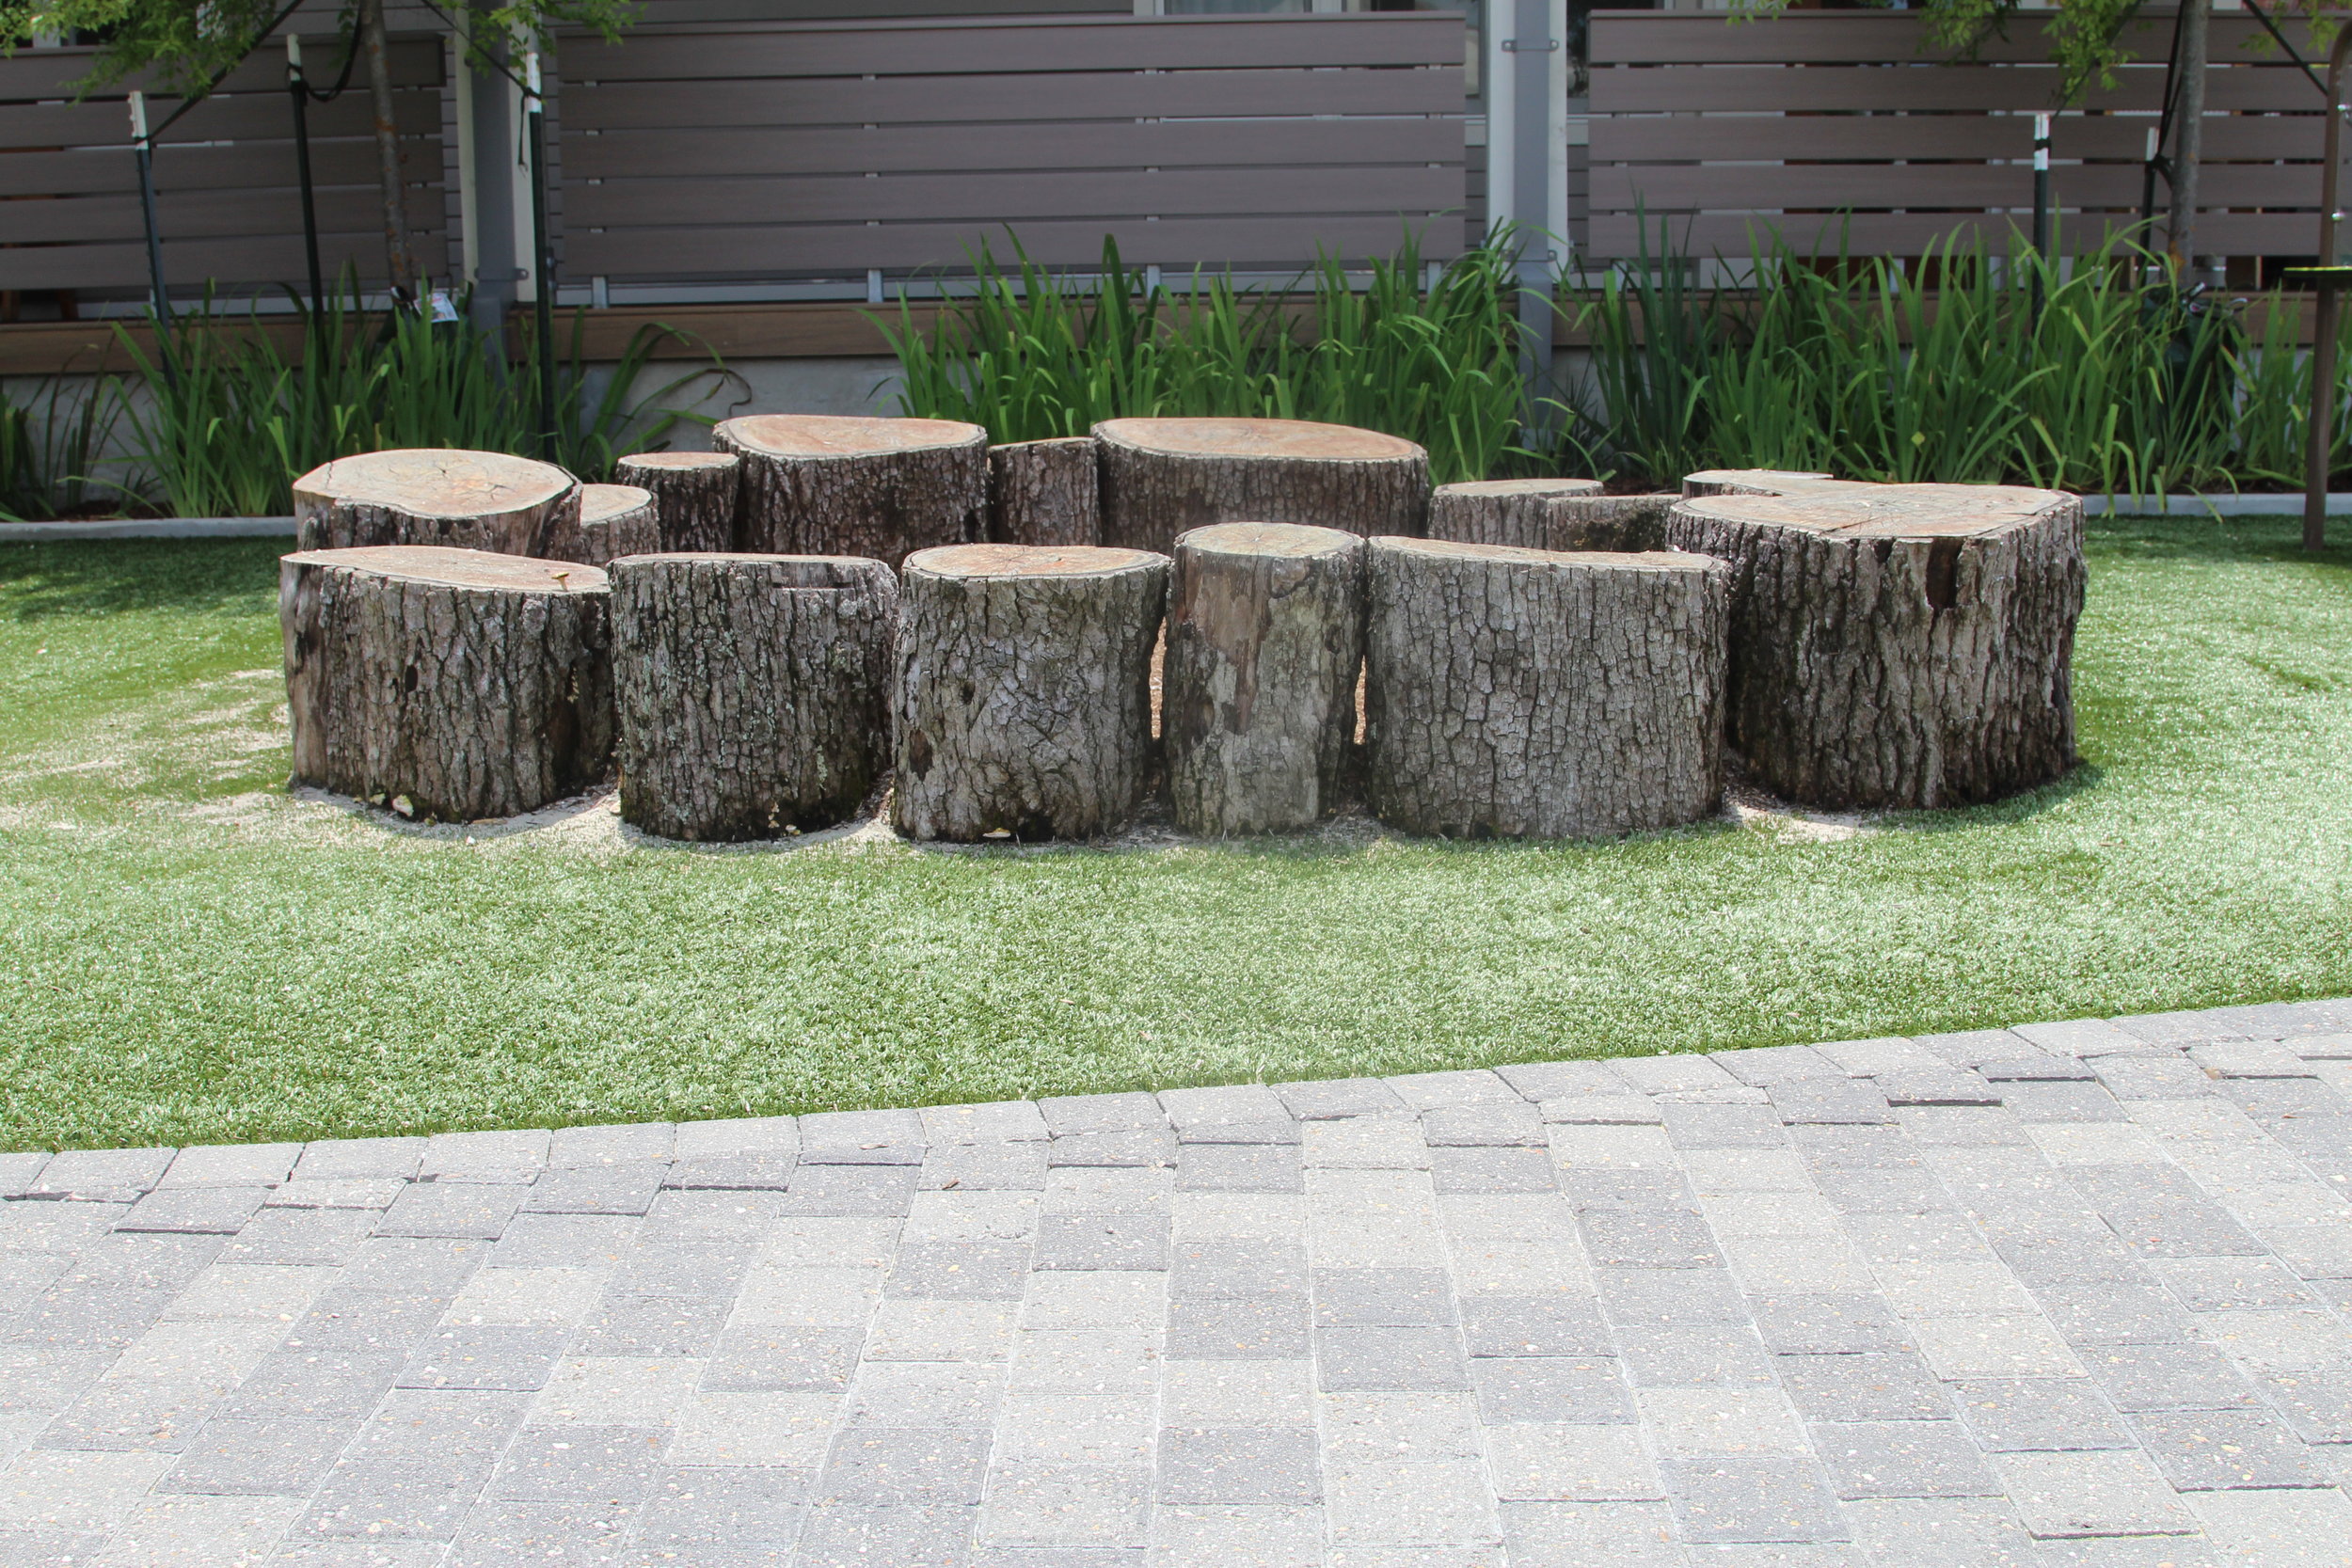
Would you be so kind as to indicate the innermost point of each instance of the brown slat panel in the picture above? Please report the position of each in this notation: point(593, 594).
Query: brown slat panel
point(932, 100)
point(189, 168)
point(746, 252)
point(1722, 188)
point(1915, 88)
point(1022, 198)
point(1635, 38)
point(34, 73)
point(909, 150)
point(104, 123)
point(1682, 137)
point(1171, 44)
point(93, 219)
point(232, 262)
point(1906, 234)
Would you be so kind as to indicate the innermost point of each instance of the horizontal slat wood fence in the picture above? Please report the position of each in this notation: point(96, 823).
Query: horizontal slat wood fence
point(726, 153)
point(227, 199)
point(1846, 131)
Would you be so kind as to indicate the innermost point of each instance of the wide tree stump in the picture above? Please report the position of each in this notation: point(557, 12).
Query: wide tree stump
point(1899, 646)
point(475, 500)
point(1531, 694)
point(697, 494)
point(450, 683)
point(841, 485)
point(1163, 477)
point(1265, 636)
point(1023, 703)
point(754, 691)
point(1547, 514)
point(1044, 493)
point(613, 520)
point(1751, 482)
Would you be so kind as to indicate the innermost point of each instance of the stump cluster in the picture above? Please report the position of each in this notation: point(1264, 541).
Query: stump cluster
point(838, 485)
point(1161, 478)
point(475, 500)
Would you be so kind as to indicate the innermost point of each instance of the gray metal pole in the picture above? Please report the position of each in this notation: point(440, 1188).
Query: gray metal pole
point(1534, 57)
point(2321, 443)
point(143, 151)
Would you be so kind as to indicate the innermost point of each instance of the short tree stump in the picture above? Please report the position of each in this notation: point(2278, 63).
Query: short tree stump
point(1547, 514)
point(1024, 699)
point(841, 485)
point(752, 691)
point(463, 683)
point(1751, 482)
point(696, 494)
point(1529, 694)
point(1899, 646)
point(1163, 477)
point(474, 501)
point(613, 520)
point(1265, 636)
point(1044, 493)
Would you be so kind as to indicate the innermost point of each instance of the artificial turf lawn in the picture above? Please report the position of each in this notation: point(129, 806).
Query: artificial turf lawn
point(192, 956)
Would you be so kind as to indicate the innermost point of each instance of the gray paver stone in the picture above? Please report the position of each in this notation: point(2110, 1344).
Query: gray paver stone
point(1102, 1113)
point(1234, 1270)
point(1382, 1298)
point(1766, 1066)
point(1585, 1389)
point(234, 1457)
point(2208, 1451)
point(621, 1187)
point(302, 1237)
point(2027, 1414)
point(537, 1240)
point(1238, 1168)
point(580, 1463)
point(1401, 1359)
point(1972, 1046)
point(1541, 1081)
point(194, 1211)
point(1645, 1238)
point(1902, 1459)
point(1710, 1355)
point(1430, 1091)
point(473, 1210)
point(1140, 1147)
point(1249, 1328)
point(1335, 1098)
point(2169, 1377)
point(233, 1166)
point(1830, 1101)
point(1830, 1325)
point(662, 1325)
point(1102, 1242)
point(1723, 1126)
point(927, 1466)
point(493, 1357)
point(1239, 1466)
point(1873, 1385)
point(1752, 1499)
point(1461, 1171)
point(1558, 1323)
point(578, 1147)
point(1669, 1298)
point(496, 1157)
point(1227, 1106)
point(1487, 1123)
point(703, 1140)
point(106, 1175)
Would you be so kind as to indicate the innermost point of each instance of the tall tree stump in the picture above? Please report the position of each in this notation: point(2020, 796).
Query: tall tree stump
point(1531, 694)
point(1163, 477)
point(1044, 493)
point(1751, 482)
point(1547, 515)
point(1899, 646)
point(1265, 636)
point(474, 501)
point(1023, 703)
point(696, 495)
point(613, 520)
point(841, 485)
point(754, 691)
point(459, 684)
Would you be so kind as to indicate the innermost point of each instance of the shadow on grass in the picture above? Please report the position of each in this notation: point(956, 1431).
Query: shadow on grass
point(112, 577)
point(2023, 807)
point(2242, 540)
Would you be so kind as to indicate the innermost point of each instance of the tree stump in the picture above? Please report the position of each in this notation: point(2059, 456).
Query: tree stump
point(1265, 636)
point(475, 500)
point(1899, 646)
point(1531, 694)
point(449, 684)
point(754, 691)
point(1044, 493)
point(697, 494)
point(836, 484)
point(1023, 704)
point(1547, 514)
point(1163, 477)
point(1750, 482)
point(613, 520)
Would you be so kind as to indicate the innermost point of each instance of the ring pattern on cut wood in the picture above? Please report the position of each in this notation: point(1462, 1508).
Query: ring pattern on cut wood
point(1753, 481)
point(1161, 478)
point(1023, 699)
point(1526, 693)
point(1265, 639)
point(1899, 646)
point(752, 691)
point(696, 495)
point(475, 500)
point(841, 485)
point(472, 683)
point(615, 520)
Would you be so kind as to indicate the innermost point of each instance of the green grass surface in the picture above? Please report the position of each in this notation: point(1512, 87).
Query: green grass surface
point(191, 954)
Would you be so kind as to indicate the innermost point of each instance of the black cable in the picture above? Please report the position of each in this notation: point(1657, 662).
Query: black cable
point(351, 52)
point(2272, 28)
point(222, 74)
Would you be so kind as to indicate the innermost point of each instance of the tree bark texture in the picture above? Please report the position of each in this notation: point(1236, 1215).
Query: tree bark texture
point(615, 520)
point(1044, 493)
point(2188, 137)
point(477, 500)
point(1529, 694)
point(1023, 703)
point(1266, 637)
point(475, 684)
point(1547, 514)
point(1899, 646)
point(827, 484)
point(697, 494)
point(399, 252)
point(752, 691)
point(1163, 477)
point(1750, 482)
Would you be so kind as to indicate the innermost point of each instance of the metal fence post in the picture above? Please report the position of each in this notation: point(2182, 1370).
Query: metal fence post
point(1527, 164)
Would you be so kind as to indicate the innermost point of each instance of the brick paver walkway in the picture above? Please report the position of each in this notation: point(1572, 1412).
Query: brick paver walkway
point(2069, 1295)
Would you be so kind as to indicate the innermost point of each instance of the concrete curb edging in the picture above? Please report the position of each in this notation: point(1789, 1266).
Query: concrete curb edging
point(148, 528)
point(2285, 505)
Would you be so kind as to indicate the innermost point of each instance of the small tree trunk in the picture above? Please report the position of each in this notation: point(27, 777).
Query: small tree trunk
point(697, 494)
point(1044, 493)
point(1750, 482)
point(1899, 646)
point(1163, 477)
point(1519, 693)
point(477, 500)
point(1024, 701)
point(1264, 641)
point(615, 520)
point(2188, 137)
point(1501, 511)
point(400, 256)
point(454, 683)
point(826, 485)
point(752, 691)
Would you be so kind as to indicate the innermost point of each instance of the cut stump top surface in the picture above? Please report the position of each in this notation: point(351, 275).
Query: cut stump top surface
point(454, 568)
point(1029, 560)
point(1294, 540)
point(434, 482)
point(599, 502)
point(682, 460)
point(1297, 440)
point(1891, 511)
point(1044, 441)
point(1522, 487)
point(823, 435)
point(1794, 479)
point(1642, 560)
